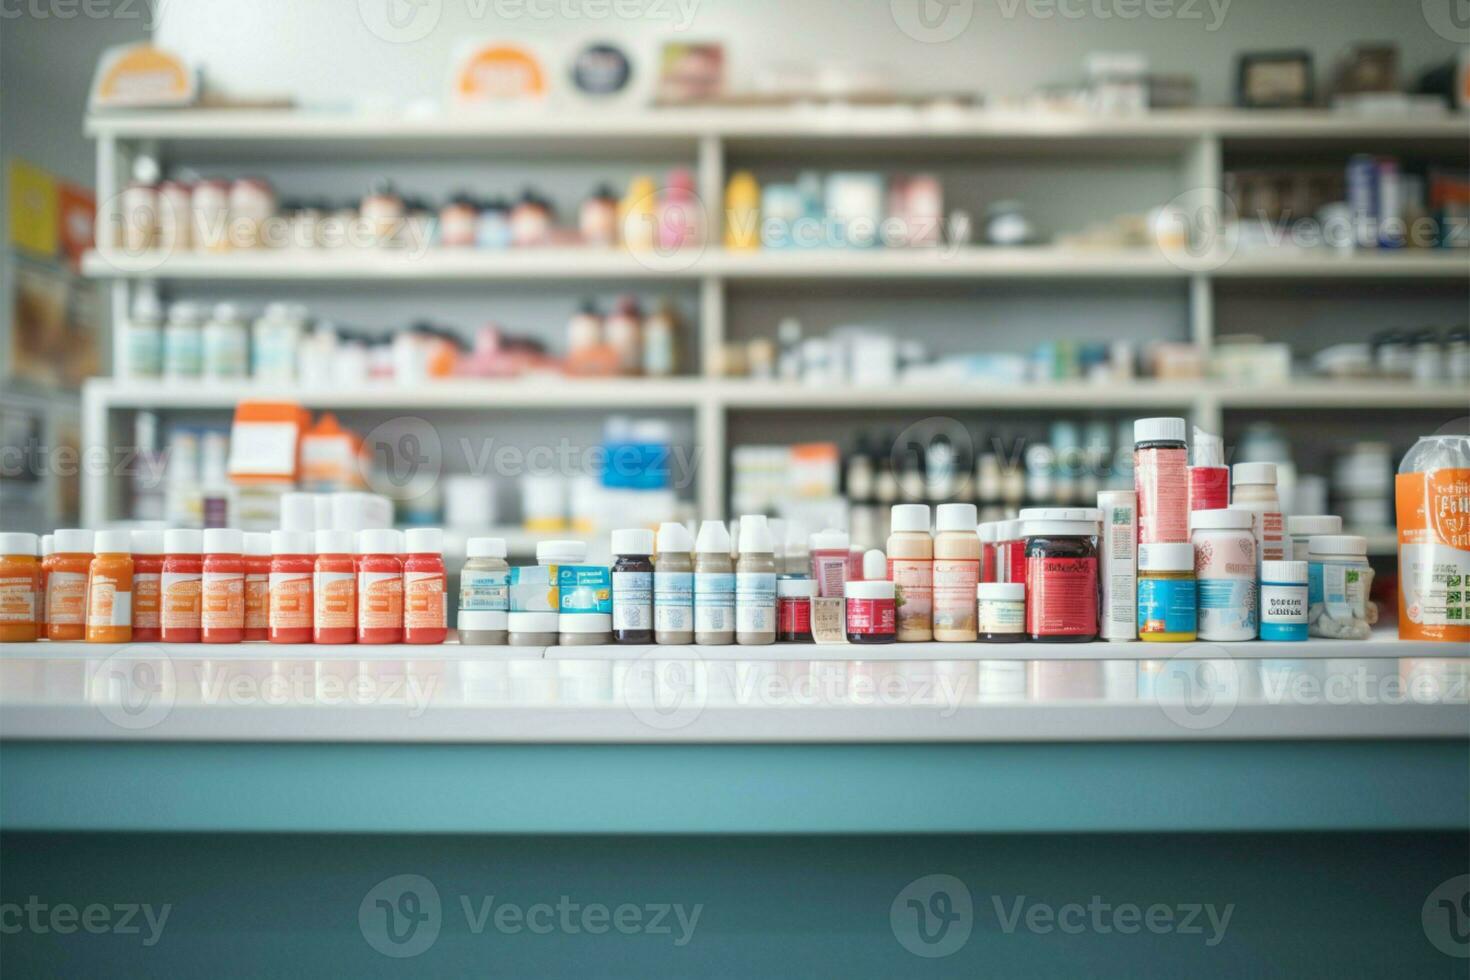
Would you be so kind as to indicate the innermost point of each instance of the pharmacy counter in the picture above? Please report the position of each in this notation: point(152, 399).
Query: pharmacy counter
point(279, 800)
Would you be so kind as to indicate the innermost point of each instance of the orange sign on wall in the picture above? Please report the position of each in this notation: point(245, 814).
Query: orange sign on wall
point(498, 73)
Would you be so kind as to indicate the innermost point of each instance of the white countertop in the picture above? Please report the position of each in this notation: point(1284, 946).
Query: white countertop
point(1381, 688)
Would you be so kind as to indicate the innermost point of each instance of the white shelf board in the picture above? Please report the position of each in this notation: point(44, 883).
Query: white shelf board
point(1043, 262)
point(557, 392)
point(1382, 644)
point(835, 123)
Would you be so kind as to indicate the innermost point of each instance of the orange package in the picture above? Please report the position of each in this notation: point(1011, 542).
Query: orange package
point(1432, 496)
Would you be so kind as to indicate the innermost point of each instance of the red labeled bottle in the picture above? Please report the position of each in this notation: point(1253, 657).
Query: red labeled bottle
point(222, 610)
point(1161, 479)
point(1061, 573)
point(425, 598)
point(289, 606)
point(181, 586)
point(147, 586)
point(871, 613)
point(379, 587)
point(257, 585)
point(334, 589)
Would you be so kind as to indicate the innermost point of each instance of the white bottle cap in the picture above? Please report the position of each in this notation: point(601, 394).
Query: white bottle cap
point(1243, 473)
point(987, 531)
point(423, 541)
point(181, 541)
point(584, 623)
point(48, 544)
point(148, 543)
point(114, 543)
point(632, 541)
point(334, 542)
point(829, 539)
point(1310, 524)
point(713, 537)
point(321, 505)
point(956, 517)
point(1041, 521)
point(875, 583)
point(257, 543)
point(224, 541)
point(1223, 519)
point(562, 552)
point(1158, 430)
point(532, 622)
point(755, 535)
point(291, 542)
point(910, 517)
point(1285, 572)
point(378, 541)
point(298, 512)
point(674, 539)
point(482, 620)
point(1337, 544)
point(75, 541)
point(1001, 591)
point(19, 543)
point(1167, 557)
point(796, 588)
point(485, 548)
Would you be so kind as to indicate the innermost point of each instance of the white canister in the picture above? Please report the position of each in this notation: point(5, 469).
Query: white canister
point(1339, 579)
point(1300, 528)
point(1225, 573)
point(210, 209)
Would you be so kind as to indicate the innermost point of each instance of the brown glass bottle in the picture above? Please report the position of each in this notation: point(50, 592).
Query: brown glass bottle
point(632, 583)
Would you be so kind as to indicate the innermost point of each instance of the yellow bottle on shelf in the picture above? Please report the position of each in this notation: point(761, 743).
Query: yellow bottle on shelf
point(638, 215)
point(743, 212)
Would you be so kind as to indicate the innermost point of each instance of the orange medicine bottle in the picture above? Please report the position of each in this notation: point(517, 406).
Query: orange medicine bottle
point(20, 583)
point(66, 585)
point(110, 589)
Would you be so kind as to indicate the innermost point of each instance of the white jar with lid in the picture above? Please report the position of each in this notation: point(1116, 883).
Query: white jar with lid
point(226, 344)
point(183, 342)
point(1225, 563)
point(1002, 611)
point(1339, 579)
point(1254, 490)
point(1301, 527)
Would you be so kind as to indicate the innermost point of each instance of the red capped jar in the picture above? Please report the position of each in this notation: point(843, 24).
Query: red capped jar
point(181, 588)
point(334, 589)
point(425, 596)
point(379, 587)
point(1061, 573)
point(222, 610)
point(289, 615)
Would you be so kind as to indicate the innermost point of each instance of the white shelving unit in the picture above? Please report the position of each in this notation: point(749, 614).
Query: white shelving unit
point(1195, 142)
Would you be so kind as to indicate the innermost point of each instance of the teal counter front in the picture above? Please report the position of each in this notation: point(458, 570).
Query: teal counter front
point(448, 811)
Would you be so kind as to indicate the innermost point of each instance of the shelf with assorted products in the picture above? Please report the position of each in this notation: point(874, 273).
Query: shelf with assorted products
point(1176, 299)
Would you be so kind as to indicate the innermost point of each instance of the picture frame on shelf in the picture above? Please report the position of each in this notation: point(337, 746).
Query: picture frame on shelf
point(1275, 80)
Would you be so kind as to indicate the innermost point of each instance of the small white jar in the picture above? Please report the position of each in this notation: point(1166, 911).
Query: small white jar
point(1301, 527)
point(1339, 579)
point(1225, 562)
point(1002, 611)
